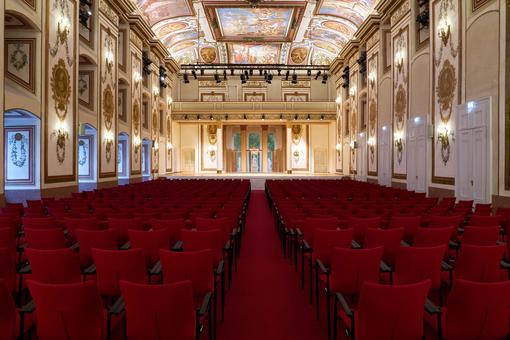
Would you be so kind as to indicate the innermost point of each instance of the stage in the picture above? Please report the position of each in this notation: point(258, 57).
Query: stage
point(258, 180)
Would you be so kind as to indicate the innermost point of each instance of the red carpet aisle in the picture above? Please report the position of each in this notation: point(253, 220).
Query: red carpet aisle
point(265, 301)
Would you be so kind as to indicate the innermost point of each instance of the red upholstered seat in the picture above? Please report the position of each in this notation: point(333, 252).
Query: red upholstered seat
point(201, 240)
point(409, 223)
point(47, 222)
point(8, 269)
point(388, 312)
point(104, 239)
point(361, 225)
point(415, 264)
point(326, 239)
point(485, 221)
point(45, 238)
point(431, 237)
point(479, 263)
point(174, 227)
point(159, 311)
point(72, 224)
point(68, 311)
point(480, 236)
point(389, 239)
point(150, 242)
point(115, 265)
point(54, 266)
point(122, 225)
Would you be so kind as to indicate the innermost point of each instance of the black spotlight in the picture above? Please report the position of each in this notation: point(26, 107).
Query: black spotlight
point(263, 117)
point(202, 71)
point(244, 116)
point(210, 117)
point(260, 72)
point(295, 117)
point(325, 78)
point(309, 72)
point(281, 117)
point(185, 117)
point(308, 117)
point(231, 71)
point(246, 75)
point(279, 72)
point(243, 78)
point(269, 78)
point(294, 78)
point(199, 118)
point(251, 72)
point(226, 117)
point(322, 117)
point(318, 75)
point(194, 73)
point(217, 78)
point(287, 75)
point(186, 79)
point(224, 74)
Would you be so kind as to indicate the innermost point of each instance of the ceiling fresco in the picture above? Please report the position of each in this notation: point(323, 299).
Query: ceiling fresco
point(276, 31)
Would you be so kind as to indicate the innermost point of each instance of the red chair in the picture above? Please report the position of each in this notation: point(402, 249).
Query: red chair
point(54, 266)
point(45, 238)
point(480, 236)
point(201, 240)
point(431, 237)
point(161, 311)
point(150, 242)
point(409, 223)
point(438, 221)
point(8, 269)
point(385, 312)
point(350, 268)
point(72, 224)
point(39, 222)
point(324, 242)
point(13, 322)
point(174, 227)
point(104, 239)
point(361, 225)
point(115, 265)
point(389, 239)
point(68, 311)
point(484, 221)
point(122, 225)
point(479, 263)
point(474, 311)
point(8, 241)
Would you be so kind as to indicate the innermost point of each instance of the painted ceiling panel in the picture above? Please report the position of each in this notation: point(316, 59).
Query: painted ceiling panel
point(263, 34)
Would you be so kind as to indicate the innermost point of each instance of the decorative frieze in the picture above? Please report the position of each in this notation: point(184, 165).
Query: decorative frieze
point(108, 12)
point(400, 12)
point(135, 39)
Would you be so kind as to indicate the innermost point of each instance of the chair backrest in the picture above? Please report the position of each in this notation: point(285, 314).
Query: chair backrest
point(388, 238)
point(159, 311)
point(201, 240)
point(68, 311)
point(439, 221)
point(484, 221)
point(415, 264)
point(409, 223)
point(45, 238)
point(39, 222)
point(88, 223)
point(351, 267)
point(222, 223)
point(431, 237)
point(7, 312)
point(7, 269)
point(174, 227)
point(122, 225)
point(7, 221)
point(479, 263)
point(481, 236)
point(195, 266)
point(361, 225)
point(391, 312)
point(8, 241)
point(87, 239)
point(326, 239)
point(115, 265)
point(54, 266)
point(478, 310)
point(150, 242)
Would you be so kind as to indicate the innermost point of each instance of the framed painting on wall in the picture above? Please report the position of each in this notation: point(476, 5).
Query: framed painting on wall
point(295, 97)
point(254, 97)
point(86, 89)
point(19, 62)
point(19, 155)
point(212, 97)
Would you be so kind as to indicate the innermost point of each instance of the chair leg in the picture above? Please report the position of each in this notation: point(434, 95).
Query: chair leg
point(296, 255)
point(222, 296)
point(212, 329)
point(335, 323)
point(302, 269)
point(329, 313)
point(229, 270)
point(316, 293)
point(311, 279)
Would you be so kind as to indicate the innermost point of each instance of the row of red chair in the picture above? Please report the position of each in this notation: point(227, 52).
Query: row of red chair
point(384, 267)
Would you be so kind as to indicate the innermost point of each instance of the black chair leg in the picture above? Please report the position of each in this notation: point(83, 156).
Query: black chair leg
point(302, 269)
point(335, 313)
point(311, 280)
point(329, 313)
point(222, 296)
point(316, 293)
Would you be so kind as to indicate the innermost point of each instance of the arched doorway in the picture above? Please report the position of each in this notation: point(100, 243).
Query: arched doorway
point(123, 156)
point(87, 155)
point(22, 150)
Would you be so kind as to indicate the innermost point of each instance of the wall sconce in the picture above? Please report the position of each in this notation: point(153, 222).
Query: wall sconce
point(399, 60)
point(371, 148)
point(353, 145)
point(108, 141)
point(443, 137)
point(108, 57)
point(338, 148)
point(136, 146)
point(352, 91)
point(62, 135)
point(444, 31)
point(399, 145)
point(156, 92)
point(169, 145)
point(137, 78)
point(155, 145)
point(63, 29)
point(339, 100)
point(371, 78)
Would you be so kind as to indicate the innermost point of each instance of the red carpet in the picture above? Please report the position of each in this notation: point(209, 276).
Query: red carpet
point(266, 301)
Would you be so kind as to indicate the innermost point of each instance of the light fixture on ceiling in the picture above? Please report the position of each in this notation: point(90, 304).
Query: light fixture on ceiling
point(194, 73)
point(287, 75)
point(263, 117)
point(281, 117)
point(185, 77)
point(202, 71)
point(246, 75)
point(217, 78)
point(309, 72)
point(294, 78)
point(318, 75)
point(295, 117)
point(325, 78)
point(243, 78)
point(210, 117)
point(308, 117)
point(224, 74)
point(231, 71)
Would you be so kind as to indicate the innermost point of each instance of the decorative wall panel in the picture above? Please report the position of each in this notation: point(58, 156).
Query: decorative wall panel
point(136, 112)
point(19, 156)
point(209, 147)
point(353, 117)
point(299, 147)
point(372, 114)
point(85, 157)
point(108, 102)
point(446, 44)
point(61, 92)
point(400, 100)
point(20, 62)
point(86, 89)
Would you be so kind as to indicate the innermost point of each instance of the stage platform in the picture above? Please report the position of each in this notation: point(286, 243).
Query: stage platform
point(258, 180)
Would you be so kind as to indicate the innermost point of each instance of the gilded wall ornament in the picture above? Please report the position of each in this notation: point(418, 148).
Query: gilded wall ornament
point(297, 131)
point(212, 134)
point(445, 90)
point(108, 107)
point(371, 148)
point(63, 30)
point(208, 54)
point(168, 126)
point(400, 107)
point(82, 156)
point(354, 122)
point(136, 117)
point(108, 149)
point(372, 116)
point(298, 55)
point(15, 140)
point(60, 84)
point(62, 136)
point(18, 58)
point(154, 122)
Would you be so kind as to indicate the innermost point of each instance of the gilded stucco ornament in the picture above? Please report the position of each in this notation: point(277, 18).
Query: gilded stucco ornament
point(60, 84)
point(212, 134)
point(400, 107)
point(108, 149)
point(445, 90)
point(297, 131)
point(298, 55)
point(155, 122)
point(136, 117)
point(372, 116)
point(208, 54)
point(63, 29)
point(108, 107)
point(168, 127)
